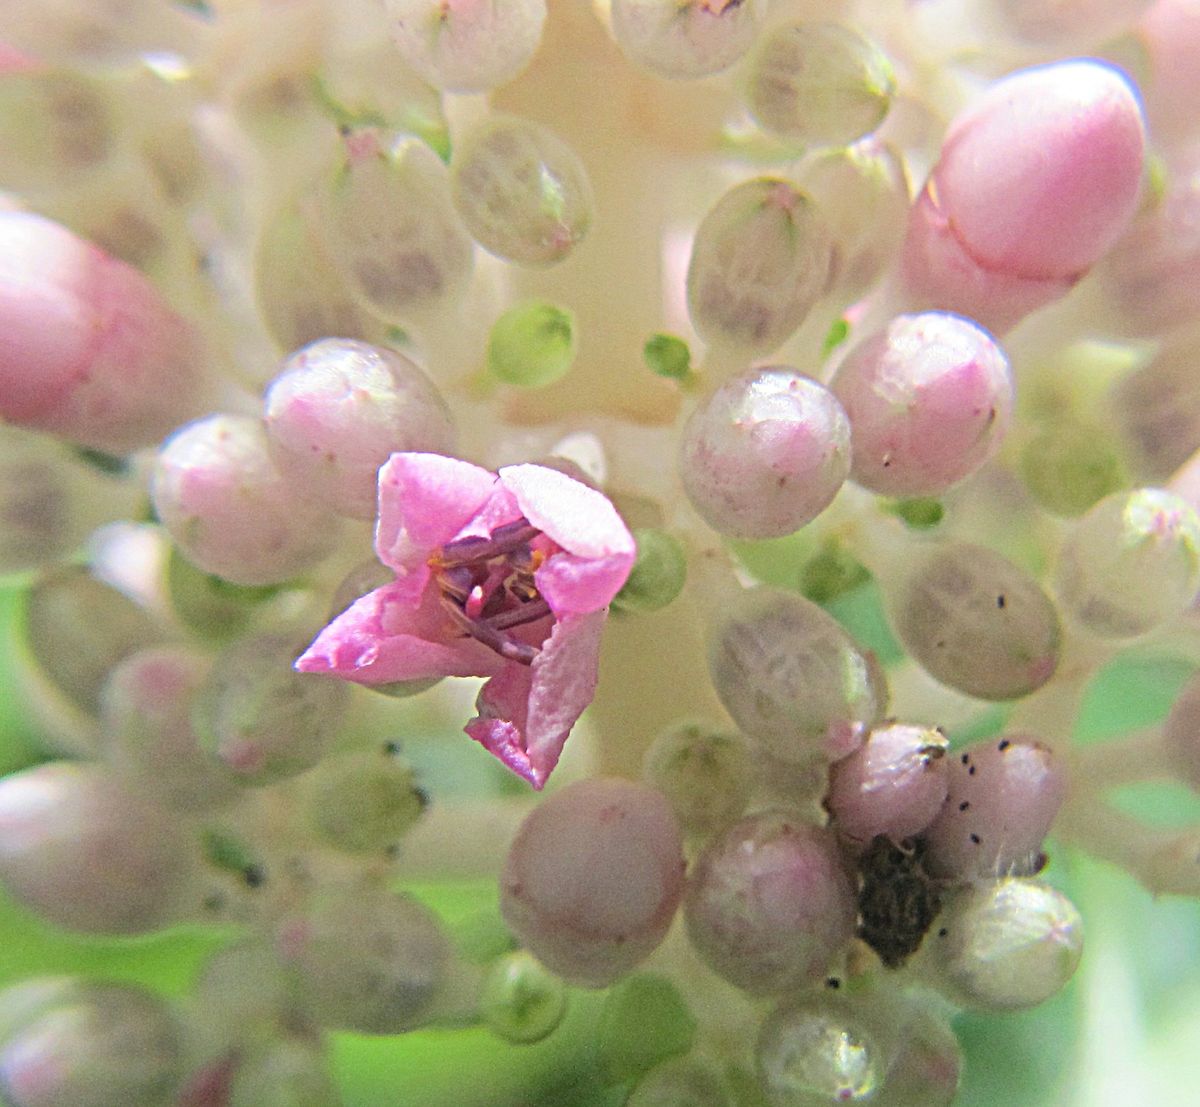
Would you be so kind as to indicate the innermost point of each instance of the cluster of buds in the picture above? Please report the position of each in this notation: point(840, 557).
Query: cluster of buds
point(775, 443)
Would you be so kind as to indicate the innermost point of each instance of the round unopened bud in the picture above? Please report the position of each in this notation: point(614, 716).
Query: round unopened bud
point(261, 718)
point(290, 1072)
point(147, 724)
point(86, 852)
point(644, 1021)
point(705, 774)
point(467, 45)
point(1131, 563)
point(1005, 946)
point(1004, 794)
point(1181, 733)
point(769, 903)
point(928, 1065)
point(761, 259)
point(684, 39)
point(340, 409)
point(929, 399)
point(532, 345)
point(1157, 409)
point(818, 1051)
point(521, 1002)
point(978, 623)
point(228, 507)
point(792, 678)
point(819, 83)
point(658, 574)
point(765, 454)
point(365, 801)
point(593, 879)
point(366, 961)
point(893, 784)
point(522, 192)
point(682, 1082)
point(1067, 466)
point(68, 1042)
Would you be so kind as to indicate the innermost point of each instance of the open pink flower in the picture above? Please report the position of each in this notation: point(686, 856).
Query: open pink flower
point(506, 575)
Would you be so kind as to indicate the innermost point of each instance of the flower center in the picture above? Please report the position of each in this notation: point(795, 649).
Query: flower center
point(487, 587)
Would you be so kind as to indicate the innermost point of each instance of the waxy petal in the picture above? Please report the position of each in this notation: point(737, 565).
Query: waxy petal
point(383, 637)
point(526, 713)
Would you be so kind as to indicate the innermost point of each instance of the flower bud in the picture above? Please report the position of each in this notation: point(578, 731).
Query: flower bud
point(87, 853)
point(929, 400)
point(644, 1021)
point(532, 345)
point(521, 1002)
point(1181, 733)
point(1004, 794)
point(1005, 946)
point(688, 39)
point(765, 454)
point(658, 574)
point(894, 784)
point(339, 409)
point(593, 879)
point(928, 1065)
point(290, 1072)
point(680, 1083)
point(769, 903)
point(228, 507)
point(364, 802)
point(704, 773)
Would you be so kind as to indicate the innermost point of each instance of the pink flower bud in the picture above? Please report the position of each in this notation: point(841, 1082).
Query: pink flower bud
point(770, 903)
point(1170, 34)
point(893, 784)
point(1004, 794)
point(91, 351)
point(593, 879)
point(1035, 182)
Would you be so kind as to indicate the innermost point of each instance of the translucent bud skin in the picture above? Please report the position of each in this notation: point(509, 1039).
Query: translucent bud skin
point(78, 628)
point(770, 903)
point(706, 775)
point(92, 352)
point(209, 605)
point(761, 259)
point(339, 409)
point(87, 853)
point(364, 802)
point(262, 719)
point(1157, 409)
point(1170, 34)
point(1069, 466)
point(977, 622)
point(685, 39)
point(82, 1043)
point(229, 508)
point(1123, 542)
point(793, 680)
point(893, 784)
point(645, 1021)
point(369, 962)
point(927, 1068)
point(929, 400)
point(821, 84)
point(532, 345)
point(392, 230)
point(467, 45)
point(145, 718)
point(593, 879)
point(521, 1002)
point(658, 574)
point(1005, 946)
point(522, 192)
point(1181, 733)
point(680, 1083)
point(1003, 797)
point(1073, 23)
point(290, 1072)
point(42, 513)
point(765, 454)
point(1010, 217)
point(813, 1052)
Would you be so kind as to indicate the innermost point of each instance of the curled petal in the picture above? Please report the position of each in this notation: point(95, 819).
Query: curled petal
point(526, 713)
point(383, 637)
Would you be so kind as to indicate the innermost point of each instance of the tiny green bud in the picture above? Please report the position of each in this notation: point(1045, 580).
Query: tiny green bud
point(919, 513)
point(704, 773)
point(210, 605)
point(532, 345)
point(645, 1021)
point(1068, 467)
point(522, 1001)
point(831, 572)
point(365, 802)
point(658, 573)
point(838, 332)
point(668, 356)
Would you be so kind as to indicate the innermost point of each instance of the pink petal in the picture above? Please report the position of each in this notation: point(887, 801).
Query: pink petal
point(526, 712)
point(383, 637)
point(600, 551)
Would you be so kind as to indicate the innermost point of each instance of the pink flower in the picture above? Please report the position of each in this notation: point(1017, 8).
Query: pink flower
point(506, 575)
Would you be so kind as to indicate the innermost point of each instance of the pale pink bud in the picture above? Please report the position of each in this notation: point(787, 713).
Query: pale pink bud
point(893, 784)
point(770, 903)
point(593, 879)
point(1170, 34)
point(929, 399)
point(228, 507)
point(91, 351)
point(1035, 182)
point(1004, 794)
point(340, 409)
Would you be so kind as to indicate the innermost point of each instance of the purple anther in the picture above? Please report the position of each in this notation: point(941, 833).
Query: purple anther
point(494, 639)
point(529, 612)
point(505, 539)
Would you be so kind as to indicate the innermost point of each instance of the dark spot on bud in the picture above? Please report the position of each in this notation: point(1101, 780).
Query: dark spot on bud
point(254, 876)
point(1000, 601)
point(964, 805)
point(1004, 744)
point(423, 798)
point(943, 932)
point(976, 839)
point(966, 759)
point(971, 771)
point(833, 983)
